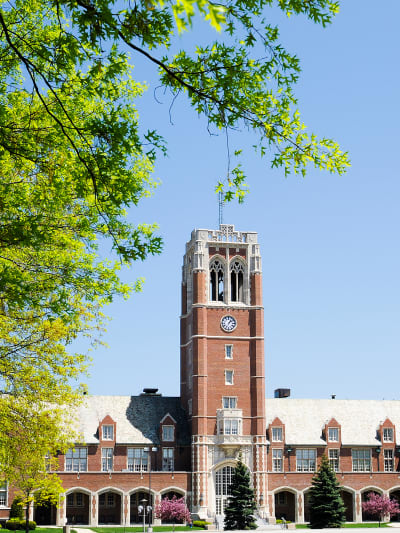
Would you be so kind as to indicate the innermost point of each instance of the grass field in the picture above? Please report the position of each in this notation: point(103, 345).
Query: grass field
point(349, 525)
point(138, 529)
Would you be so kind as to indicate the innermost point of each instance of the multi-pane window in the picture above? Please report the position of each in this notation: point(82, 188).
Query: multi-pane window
point(216, 281)
point(387, 434)
point(277, 460)
point(334, 459)
point(229, 402)
point(277, 435)
point(223, 481)
point(75, 499)
point(108, 432)
point(168, 459)
point(107, 499)
point(106, 459)
point(168, 433)
point(306, 459)
point(228, 377)
point(230, 426)
point(388, 460)
point(138, 460)
point(76, 460)
point(3, 494)
point(333, 434)
point(361, 460)
point(228, 351)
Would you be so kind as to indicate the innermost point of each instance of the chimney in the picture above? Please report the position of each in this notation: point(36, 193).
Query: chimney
point(281, 393)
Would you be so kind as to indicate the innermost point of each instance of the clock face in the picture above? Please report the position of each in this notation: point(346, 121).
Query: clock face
point(228, 323)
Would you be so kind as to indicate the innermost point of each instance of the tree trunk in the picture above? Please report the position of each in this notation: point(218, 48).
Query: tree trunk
point(27, 517)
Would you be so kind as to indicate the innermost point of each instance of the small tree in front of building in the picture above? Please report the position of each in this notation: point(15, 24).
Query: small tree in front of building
point(173, 510)
point(326, 504)
point(380, 506)
point(241, 503)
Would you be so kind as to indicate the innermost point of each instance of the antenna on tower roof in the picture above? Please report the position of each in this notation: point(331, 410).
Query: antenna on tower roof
point(220, 207)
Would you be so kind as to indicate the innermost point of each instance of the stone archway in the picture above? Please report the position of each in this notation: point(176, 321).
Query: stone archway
point(171, 494)
point(77, 508)
point(285, 505)
point(366, 517)
point(135, 501)
point(348, 500)
point(109, 507)
point(45, 514)
point(395, 495)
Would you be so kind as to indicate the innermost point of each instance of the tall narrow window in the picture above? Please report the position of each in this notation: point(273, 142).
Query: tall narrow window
point(107, 459)
point(388, 460)
point(277, 460)
point(334, 459)
point(168, 459)
point(237, 281)
point(216, 281)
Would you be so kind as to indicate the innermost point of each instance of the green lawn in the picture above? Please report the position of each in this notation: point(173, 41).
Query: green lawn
point(350, 524)
point(138, 529)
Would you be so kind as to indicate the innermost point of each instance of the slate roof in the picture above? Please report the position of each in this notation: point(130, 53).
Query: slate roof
point(137, 417)
point(359, 419)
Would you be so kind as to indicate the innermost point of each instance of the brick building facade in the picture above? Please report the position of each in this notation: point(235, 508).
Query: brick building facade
point(147, 447)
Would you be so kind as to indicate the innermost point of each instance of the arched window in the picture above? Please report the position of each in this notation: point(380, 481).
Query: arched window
point(237, 271)
point(216, 281)
point(223, 482)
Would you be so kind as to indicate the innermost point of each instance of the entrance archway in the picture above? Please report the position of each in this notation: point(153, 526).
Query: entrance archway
point(135, 501)
point(77, 508)
point(109, 508)
point(171, 494)
point(45, 514)
point(285, 505)
point(395, 495)
point(348, 500)
point(366, 517)
point(223, 481)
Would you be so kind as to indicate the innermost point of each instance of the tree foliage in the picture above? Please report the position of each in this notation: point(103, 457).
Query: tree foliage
point(173, 510)
point(241, 504)
point(75, 158)
point(326, 504)
point(380, 506)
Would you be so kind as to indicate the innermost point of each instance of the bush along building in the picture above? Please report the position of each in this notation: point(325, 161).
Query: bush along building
point(138, 449)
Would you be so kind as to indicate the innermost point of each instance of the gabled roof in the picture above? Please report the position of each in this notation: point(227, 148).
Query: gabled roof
point(137, 418)
point(359, 419)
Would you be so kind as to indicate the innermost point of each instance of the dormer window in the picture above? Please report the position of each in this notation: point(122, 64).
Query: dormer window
point(387, 434)
point(237, 271)
point(108, 432)
point(333, 434)
point(277, 435)
point(216, 281)
point(168, 433)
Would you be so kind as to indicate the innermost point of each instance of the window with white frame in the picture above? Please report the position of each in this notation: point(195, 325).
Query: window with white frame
point(387, 434)
point(306, 459)
point(277, 435)
point(361, 459)
point(334, 459)
point(138, 460)
point(228, 377)
point(108, 432)
point(388, 460)
point(228, 351)
point(3, 494)
point(168, 433)
point(333, 434)
point(277, 460)
point(229, 402)
point(107, 499)
point(230, 426)
point(167, 459)
point(107, 459)
point(76, 460)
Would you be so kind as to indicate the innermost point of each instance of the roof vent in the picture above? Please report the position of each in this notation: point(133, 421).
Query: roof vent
point(333, 396)
point(150, 391)
point(281, 393)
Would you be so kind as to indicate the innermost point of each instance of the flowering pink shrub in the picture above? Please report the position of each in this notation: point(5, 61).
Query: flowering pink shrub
point(173, 510)
point(380, 506)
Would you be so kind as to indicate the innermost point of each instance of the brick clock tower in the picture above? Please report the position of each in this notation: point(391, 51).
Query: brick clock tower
point(222, 363)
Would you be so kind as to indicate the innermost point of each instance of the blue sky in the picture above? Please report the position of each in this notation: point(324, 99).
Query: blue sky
point(330, 245)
